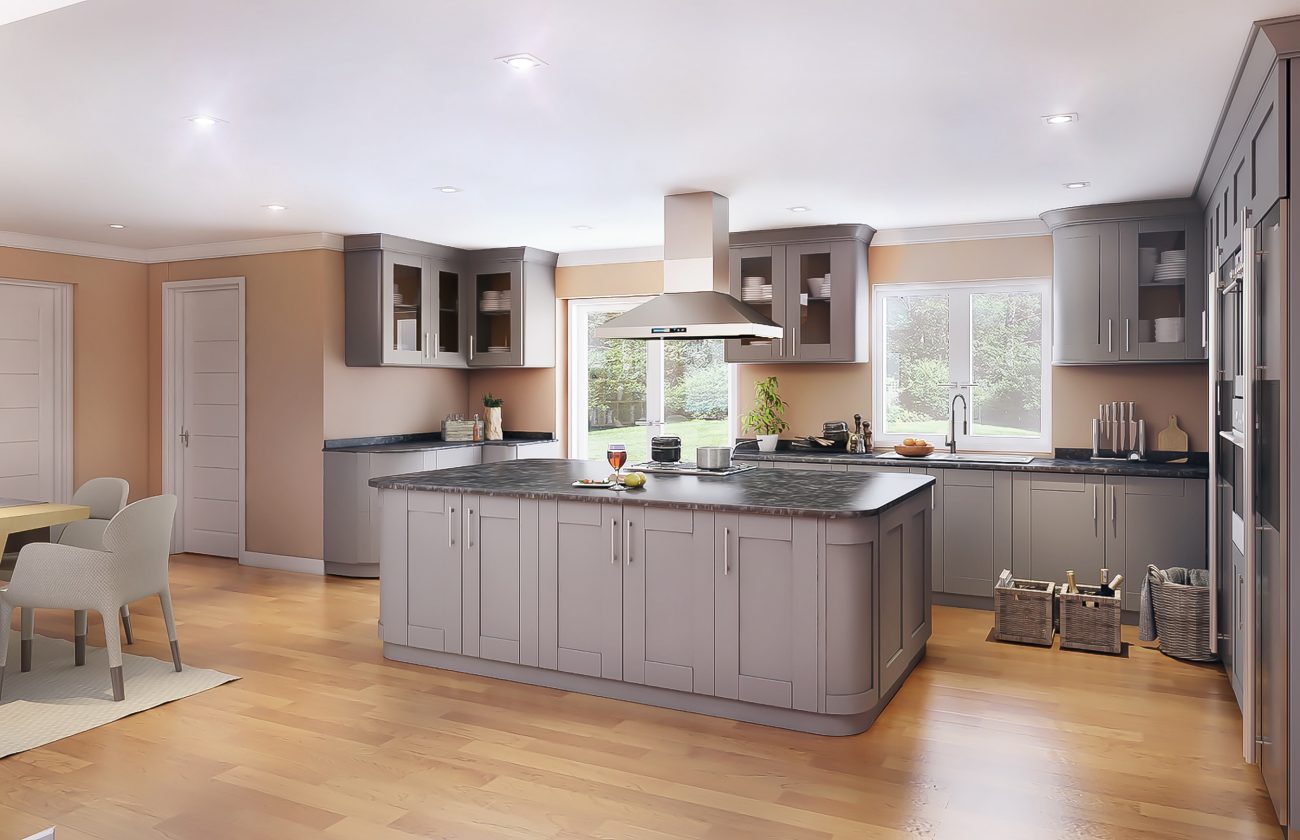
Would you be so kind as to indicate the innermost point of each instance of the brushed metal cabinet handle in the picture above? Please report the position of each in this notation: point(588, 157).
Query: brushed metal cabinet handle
point(450, 516)
point(726, 551)
point(426, 344)
point(436, 349)
point(1127, 348)
point(613, 541)
point(629, 542)
point(1110, 335)
point(470, 524)
point(1094, 503)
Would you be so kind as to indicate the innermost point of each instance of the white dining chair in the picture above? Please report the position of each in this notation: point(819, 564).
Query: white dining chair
point(105, 497)
point(132, 565)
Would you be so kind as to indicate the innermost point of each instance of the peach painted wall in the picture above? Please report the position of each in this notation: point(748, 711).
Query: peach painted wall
point(110, 349)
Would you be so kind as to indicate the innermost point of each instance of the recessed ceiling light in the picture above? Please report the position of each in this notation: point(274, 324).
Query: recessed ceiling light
point(582, 227)
point(522, 61)
point(204, 120)
point(116, 226)
point(1060, 119)
point(798, 208)
point(1077, 185)
point(274, 208)
point(447, 189)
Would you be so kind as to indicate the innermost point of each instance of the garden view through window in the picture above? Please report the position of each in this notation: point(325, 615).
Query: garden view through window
point(628, 391)
point(985, 342)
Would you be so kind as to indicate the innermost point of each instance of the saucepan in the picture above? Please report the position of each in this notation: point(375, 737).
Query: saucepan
point(713, 457)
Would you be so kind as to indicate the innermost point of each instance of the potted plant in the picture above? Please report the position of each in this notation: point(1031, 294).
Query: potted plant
point(493, 406)
point(765, 418)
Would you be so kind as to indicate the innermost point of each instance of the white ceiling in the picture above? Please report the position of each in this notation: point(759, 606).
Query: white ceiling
point(890, 113)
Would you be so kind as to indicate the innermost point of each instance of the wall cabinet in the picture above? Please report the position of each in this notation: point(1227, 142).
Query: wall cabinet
point(418, 304)
point(1128, 283)
point(813, 282)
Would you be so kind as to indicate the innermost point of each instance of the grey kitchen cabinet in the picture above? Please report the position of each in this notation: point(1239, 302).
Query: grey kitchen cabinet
point(512, 306)
point(1110, 300)
point(810, 465)
point(1057, 526)
point(500, 587)
point(1156, 521)
point(668, 579)
point(766, 607)
point(581, 586)
point(975, 526)
point(818, 280)
point(521, 451)
point(435, 527)
point(904, 616)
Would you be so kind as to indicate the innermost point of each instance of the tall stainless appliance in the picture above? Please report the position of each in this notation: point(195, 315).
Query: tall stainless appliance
point(1248, 524)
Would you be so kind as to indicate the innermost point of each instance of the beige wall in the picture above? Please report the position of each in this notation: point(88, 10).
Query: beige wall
point(110, 346)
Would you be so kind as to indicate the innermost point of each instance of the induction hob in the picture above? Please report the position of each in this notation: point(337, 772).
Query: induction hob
point(688, 468)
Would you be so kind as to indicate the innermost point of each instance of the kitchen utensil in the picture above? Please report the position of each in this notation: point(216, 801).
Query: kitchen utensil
point(666, 449)
point(914, 451)
point(713, 457)
point(1172, 439)
point(836, 431)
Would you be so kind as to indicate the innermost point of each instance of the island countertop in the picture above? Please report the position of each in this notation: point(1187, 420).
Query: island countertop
point(785, 492)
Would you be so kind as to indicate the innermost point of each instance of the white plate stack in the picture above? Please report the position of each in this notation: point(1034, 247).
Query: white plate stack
point(1169, 330)
point(1171, 270)
point(819, 288)
point(498, 348)
point(494, 301)
point(755, 290)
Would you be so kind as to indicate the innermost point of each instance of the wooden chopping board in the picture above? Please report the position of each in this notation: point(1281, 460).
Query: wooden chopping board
point(1172, 439)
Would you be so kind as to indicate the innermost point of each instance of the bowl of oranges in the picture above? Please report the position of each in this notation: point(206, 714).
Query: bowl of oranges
point(914, 448)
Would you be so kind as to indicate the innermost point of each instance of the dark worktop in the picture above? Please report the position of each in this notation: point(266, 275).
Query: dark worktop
point(1068, 461)
point(428, 440)
point(831, 495)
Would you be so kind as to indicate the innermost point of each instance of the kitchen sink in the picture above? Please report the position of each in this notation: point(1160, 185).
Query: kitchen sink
point(969, 457)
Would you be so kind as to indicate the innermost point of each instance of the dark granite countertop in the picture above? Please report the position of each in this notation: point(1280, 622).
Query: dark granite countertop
point(1079, 464)
point(830, 495)
point(427, 441)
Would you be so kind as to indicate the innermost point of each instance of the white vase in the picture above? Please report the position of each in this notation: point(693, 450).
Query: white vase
point(493, 431)
point(767, 443)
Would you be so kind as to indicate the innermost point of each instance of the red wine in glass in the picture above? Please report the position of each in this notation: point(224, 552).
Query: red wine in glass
point(616, 454)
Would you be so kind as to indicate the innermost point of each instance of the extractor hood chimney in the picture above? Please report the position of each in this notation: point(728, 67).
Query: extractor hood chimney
point(696, 302)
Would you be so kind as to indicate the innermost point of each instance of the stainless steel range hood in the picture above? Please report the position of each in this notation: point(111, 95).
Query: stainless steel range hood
point(696, 302)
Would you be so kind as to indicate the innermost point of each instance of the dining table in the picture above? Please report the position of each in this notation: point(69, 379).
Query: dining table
point(18, 515)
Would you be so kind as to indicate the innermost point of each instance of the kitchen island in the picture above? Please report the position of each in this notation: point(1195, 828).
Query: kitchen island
point(793, 599)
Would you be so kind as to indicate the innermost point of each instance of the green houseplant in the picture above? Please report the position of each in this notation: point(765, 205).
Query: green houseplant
point(766, 418)
point(492, 431)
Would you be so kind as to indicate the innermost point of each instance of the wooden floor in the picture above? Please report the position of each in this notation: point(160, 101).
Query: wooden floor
point(323, 738)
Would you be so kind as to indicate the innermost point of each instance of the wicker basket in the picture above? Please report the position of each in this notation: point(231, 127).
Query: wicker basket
point(1182, 618)
point(1023, 612)
point(1090, 621)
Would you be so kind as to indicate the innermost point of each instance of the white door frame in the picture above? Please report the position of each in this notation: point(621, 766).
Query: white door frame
point(63, 346)
point(173, 472)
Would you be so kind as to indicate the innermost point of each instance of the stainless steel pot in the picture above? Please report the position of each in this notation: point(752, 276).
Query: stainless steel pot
point(713, 457)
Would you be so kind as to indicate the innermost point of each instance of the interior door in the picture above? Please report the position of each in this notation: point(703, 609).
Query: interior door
point(210, 410)
point(28, 427)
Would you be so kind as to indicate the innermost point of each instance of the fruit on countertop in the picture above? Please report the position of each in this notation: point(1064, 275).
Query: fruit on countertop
point(636, 479)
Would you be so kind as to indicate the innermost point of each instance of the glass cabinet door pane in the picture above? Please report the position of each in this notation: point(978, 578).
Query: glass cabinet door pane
point(494, 300)
point(406, 294)
point(448, 333)
point(760, 281)
point(811, 295)
point(1160, 331)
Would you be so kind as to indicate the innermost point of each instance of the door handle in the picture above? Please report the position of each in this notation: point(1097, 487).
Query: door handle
point(471, 347)
point(1110, 335)
point(726, 551)
point(185, 437)
point(1094, 503)
point(1127, 348)
point(613, 541)
point(469, 523)
point(450, 516)
point(426, 344)
point(1114, 504)
point(436, 348)
point(629, 543)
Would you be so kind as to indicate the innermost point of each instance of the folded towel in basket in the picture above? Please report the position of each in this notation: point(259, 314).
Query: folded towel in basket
point(1147, 629)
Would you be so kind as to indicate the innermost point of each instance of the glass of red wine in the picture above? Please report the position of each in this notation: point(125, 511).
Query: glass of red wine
point(617, 456)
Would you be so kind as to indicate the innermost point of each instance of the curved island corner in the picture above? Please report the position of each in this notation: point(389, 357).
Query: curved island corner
point(787, 598)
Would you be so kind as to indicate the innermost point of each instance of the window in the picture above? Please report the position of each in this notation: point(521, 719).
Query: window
point(985, 342)
point(627, 391)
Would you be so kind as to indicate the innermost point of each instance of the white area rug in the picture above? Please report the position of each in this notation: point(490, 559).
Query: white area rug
point(57, 699)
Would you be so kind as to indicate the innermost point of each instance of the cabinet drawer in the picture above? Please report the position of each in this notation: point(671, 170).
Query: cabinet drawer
point(968, 478)
point(1059, 481)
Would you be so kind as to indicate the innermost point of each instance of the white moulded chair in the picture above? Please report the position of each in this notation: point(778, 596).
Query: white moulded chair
point(105, 497)
point(132, 565)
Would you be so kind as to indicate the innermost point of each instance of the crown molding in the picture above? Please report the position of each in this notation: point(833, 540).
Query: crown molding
point(178, 253)
point(959, 233)
point(650, 253)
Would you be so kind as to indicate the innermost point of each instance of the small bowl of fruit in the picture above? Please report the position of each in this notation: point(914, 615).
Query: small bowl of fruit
point(914, 448)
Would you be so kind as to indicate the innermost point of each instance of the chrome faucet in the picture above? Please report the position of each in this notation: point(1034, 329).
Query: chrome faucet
point(951, 441)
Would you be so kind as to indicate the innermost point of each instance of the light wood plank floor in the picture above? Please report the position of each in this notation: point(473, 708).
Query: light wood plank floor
point(323, 738)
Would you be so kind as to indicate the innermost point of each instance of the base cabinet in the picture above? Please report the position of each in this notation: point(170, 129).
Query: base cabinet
point(582, 589)
point(500, 583)
point(1058, 526)
point(1152, 521)
point(433, 564)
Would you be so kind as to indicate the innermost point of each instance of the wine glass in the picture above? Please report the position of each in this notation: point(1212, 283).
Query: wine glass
point(616, 454)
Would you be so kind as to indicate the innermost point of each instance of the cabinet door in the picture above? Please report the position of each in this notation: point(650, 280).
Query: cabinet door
point(454, 456)
point(377, 465)
point(581, 602)
point(975, 528)
point(768, 296)
point(1152, 520)
point(668, 598)
point(500, 585)
point(904, 602)
point(1058, 526)
point(936, 510)
point(766, 609)
point(808, 465)
point(448, 344)
point(1085, 293)
point(1161, 285)
point(497, 314)
point(819, 301)
point(433, 586)
point(405, 306)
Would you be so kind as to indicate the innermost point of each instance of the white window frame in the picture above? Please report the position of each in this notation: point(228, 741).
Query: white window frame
point(959, 293)
point(577, 374)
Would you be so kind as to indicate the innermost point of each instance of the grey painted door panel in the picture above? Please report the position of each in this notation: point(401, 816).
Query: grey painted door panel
point(766, 637)
point(668, 598)
point(848, 596)
point(584, 576)
point(968, 533)
point(1085, 292)
point(905, 533)
point(768, 261)
point(1152, 520)
point(500, 594)
point(1057, 526)
point(434, 529)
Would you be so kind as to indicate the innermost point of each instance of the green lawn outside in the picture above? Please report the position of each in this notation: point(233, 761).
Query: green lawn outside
point(692, 432)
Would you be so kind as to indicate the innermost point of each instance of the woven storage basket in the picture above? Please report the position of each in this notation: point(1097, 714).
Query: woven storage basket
point(1089, 621)
point(1023, 612)
point(1182, 618)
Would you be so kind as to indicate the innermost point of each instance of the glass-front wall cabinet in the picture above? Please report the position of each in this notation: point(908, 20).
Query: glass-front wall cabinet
point(447, 338)
point(758, 279)
point(406, 316)
point(495, 333)
point(1162, 309)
